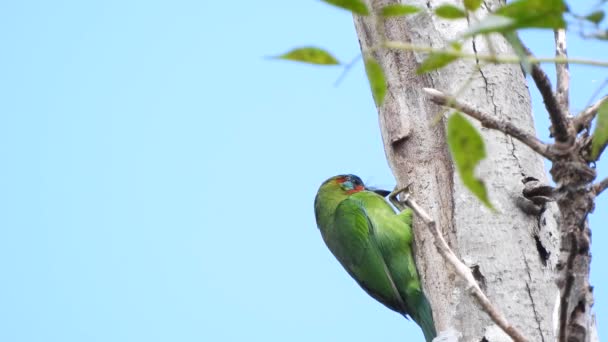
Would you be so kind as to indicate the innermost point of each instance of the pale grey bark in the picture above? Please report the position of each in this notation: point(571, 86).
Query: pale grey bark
point(511, 252)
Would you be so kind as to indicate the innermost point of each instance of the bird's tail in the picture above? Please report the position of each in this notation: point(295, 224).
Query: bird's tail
point(423, 315)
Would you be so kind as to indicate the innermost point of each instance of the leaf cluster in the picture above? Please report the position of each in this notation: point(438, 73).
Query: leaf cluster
point(465, 142)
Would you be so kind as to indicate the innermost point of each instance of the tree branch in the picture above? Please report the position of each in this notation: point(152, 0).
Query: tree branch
point(557, 113)
point(563, 74)
point(462, 270)
point(493, 123)
point(583, 120)
point(500, 59)
point(601, 186)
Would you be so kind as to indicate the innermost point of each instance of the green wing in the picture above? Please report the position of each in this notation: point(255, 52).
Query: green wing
point(352, 240)
point(374, 246)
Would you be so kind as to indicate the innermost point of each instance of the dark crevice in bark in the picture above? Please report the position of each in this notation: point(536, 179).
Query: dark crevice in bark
point(543, 253)
point(578, 329)
point(541, 222)
point(567, 287)
point(485, 79)
point(430, 79)
point(512, 149)
point(481, 280)
point(536, 315)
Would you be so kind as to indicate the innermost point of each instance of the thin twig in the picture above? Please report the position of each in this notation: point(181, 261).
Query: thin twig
point(583, 120)
point(597, 91)
point(601, 186)
point(346, 69)
point(502, 59)
point(563, 74)
point(491, 122)
point(464, 272)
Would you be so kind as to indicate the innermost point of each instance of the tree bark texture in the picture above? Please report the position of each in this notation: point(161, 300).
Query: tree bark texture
point(513, 254)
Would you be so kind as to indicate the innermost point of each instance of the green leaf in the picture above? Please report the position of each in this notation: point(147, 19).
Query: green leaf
point(435, 61)
point(519, 15)
point(397, 10)
point(595, 17)
point(472, 5)
point(311, 55)
point(467, 148)
point(450, 12)
point(355, 6)
point(600, 134)
point(535, 13)
point(491, 23)
point(377, 81)
point(456, 46)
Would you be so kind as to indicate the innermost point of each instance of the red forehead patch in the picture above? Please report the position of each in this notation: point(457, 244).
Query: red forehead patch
point(341, 179)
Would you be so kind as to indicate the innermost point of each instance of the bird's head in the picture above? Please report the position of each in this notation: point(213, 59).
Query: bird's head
point(349, 184)
point(332, 192)
point(335, 190)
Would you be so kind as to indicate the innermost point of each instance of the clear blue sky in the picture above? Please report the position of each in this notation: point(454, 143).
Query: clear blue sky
point(158, 173)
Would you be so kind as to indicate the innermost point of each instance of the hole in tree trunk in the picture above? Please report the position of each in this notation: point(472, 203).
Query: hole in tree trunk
point(481, 280)
point(543, 253)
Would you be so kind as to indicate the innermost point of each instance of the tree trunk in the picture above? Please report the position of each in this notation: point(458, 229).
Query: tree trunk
point(512, 253)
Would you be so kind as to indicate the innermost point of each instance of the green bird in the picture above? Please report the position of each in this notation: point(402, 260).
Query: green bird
point(374, 245)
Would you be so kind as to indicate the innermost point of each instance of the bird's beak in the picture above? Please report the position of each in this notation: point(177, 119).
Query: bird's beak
point(380, 192)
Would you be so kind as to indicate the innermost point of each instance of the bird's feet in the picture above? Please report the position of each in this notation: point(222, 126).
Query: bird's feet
point(393, 197)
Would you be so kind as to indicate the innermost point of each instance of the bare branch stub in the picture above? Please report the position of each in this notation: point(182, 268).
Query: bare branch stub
point(562, 70)
point(601, 186)
point(583, 120)
point(490, 122)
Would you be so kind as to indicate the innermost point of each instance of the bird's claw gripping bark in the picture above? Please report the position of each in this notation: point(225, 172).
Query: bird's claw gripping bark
point(393, 197)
